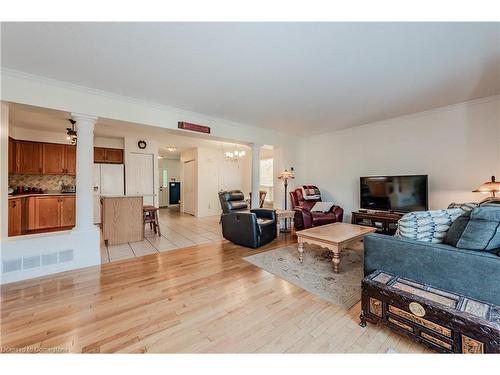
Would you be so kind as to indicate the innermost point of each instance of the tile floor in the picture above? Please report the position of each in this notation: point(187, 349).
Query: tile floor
point(178, 230)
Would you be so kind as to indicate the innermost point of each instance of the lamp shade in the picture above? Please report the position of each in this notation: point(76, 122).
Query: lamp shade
point(489, 187)
point(286, 175)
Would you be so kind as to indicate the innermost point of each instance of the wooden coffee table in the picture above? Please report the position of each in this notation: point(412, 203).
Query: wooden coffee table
point(334, 237)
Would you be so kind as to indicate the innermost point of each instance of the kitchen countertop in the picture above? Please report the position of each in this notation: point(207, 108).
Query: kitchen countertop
point(121, 196)
point(26, 195)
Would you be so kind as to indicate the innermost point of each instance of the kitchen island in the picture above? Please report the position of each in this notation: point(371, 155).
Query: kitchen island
point(122, 219)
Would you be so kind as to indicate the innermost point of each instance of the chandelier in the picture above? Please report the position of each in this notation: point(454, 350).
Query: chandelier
point(234, 155)
point(71, 132)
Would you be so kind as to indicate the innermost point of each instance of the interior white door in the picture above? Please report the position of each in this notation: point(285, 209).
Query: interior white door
point(141, 179)
point(163, 193)
point(189, 184)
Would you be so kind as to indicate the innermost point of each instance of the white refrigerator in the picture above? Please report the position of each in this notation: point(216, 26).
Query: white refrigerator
point(109, 179)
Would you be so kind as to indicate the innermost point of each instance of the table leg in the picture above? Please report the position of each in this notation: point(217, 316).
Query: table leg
point(301, 252)
point(336, 258)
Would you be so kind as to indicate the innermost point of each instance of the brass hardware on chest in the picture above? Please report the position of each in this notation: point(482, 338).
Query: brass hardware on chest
point(417, 309)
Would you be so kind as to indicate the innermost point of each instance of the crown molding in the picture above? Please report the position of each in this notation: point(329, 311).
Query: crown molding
point(179, 112)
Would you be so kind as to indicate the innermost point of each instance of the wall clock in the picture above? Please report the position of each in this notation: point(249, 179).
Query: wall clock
point(141, 144)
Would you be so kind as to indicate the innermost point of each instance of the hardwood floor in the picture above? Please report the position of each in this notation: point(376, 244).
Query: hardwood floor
point(204, 298)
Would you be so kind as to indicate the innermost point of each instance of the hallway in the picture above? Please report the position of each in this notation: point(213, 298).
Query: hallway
point(178, 230)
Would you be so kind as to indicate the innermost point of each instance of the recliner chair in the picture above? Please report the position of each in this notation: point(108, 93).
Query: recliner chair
point(304, 218)
point(253, 228)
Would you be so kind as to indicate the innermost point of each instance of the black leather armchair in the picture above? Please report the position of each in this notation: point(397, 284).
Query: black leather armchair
point(252, 228)
point(232, 200)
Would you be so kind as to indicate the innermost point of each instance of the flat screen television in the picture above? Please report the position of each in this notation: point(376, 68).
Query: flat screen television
point(394, 193)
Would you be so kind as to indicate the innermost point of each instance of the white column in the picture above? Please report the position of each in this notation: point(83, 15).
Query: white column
point(84, 171)
point(255, 175)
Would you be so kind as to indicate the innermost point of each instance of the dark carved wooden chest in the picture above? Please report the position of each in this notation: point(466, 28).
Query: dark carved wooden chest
point(444, 321)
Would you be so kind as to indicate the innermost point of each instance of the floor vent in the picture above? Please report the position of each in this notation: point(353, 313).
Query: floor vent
point(36, 261)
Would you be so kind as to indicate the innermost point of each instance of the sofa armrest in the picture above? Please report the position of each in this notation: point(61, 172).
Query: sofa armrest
point(475, 274)
point(264, 213)
point(338, 212)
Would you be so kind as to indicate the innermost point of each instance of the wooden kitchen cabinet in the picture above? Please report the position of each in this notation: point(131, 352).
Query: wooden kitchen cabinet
point(15, 215)
point(108, 155)
point(70, 160)
point(47, 212)
point(68, 211)
point(12, 156)
point(114, 155)
point(99, 155)
point(51, 212)
point(28, 157)
point(53, 158)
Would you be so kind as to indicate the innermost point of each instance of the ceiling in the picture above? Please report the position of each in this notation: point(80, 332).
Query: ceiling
point(299, 78)
point(44, 119)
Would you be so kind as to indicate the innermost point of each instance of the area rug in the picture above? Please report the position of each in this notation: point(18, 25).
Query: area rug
point(315, 274)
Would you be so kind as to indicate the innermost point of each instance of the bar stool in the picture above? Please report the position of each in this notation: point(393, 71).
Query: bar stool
point(150, 215)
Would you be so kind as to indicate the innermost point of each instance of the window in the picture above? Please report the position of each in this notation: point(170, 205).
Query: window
point(267, 178)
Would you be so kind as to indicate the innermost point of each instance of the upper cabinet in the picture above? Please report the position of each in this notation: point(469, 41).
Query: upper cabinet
point(12, 156)
point(108, 155)
point(28, 157)
point(70, 159)
point(53, 158)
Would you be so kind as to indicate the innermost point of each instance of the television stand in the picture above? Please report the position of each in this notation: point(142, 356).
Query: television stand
point(384, 222)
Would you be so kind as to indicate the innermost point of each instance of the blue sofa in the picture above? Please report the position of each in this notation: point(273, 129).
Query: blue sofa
point(475, 274)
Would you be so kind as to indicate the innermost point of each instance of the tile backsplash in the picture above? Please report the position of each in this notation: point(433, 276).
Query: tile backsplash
point(45, 182)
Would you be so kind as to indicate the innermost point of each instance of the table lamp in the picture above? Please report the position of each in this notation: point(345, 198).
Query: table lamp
point(492, 187)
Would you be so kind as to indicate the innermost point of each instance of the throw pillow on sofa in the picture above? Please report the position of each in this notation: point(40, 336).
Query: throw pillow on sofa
point(427, 226)
point(467, 206)
point(478, 229)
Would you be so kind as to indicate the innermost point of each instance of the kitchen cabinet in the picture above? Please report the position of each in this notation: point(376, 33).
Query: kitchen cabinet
point(12, 156)
point(70, 160)
point(53, 158)
point(15, 215)
point(28, 157)
point(47, 212)
point(108, 155)
point(99, 155)
point(58, 159)
point(51, 212)
point(68, 211)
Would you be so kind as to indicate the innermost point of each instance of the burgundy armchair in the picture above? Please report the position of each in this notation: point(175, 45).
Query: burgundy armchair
point(305, 219)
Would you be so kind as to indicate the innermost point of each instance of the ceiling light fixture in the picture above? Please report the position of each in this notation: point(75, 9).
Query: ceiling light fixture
point(234, 155)
point(71, 132)
point(171, 148)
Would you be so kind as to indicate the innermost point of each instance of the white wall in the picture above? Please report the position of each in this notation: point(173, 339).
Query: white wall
point(457, 146)
point(214, 174)
point(109, 142)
